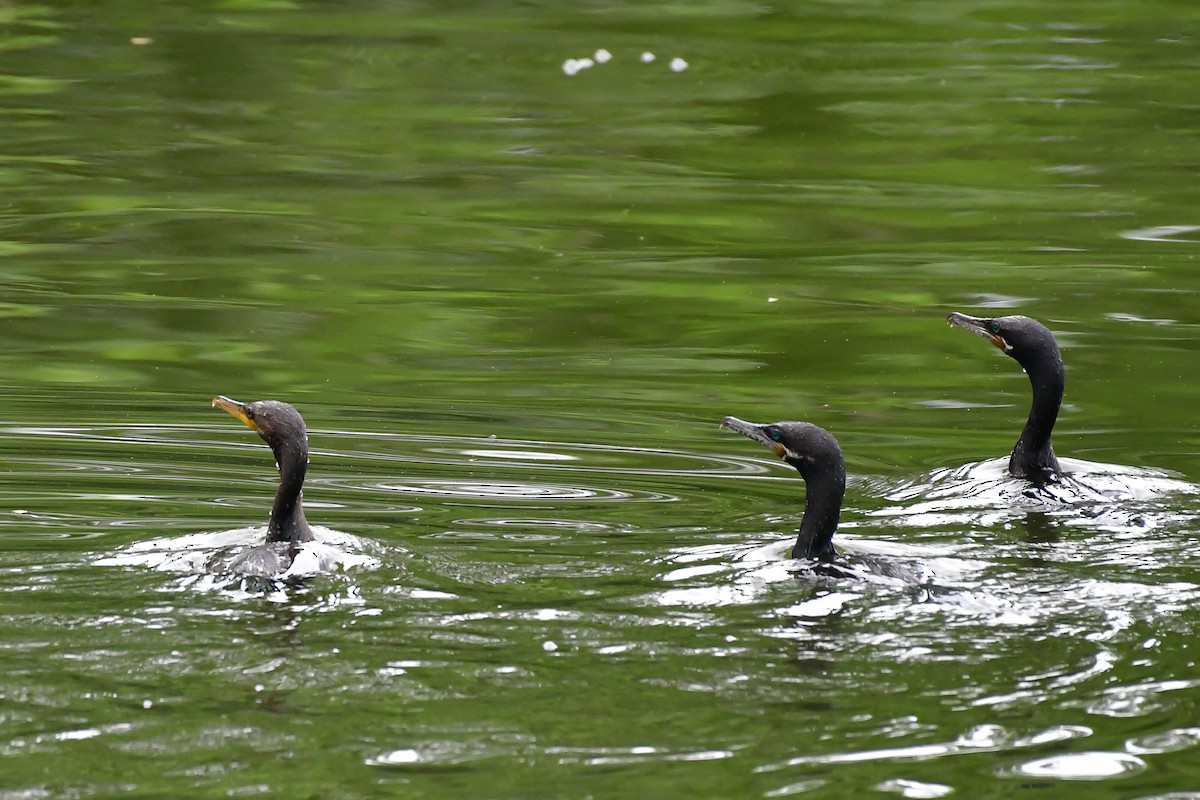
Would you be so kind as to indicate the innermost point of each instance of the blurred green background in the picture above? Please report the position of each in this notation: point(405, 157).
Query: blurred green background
point(406, 219)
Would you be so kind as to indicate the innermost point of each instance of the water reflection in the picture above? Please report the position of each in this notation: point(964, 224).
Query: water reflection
point(416, 222)
point(1164, 742)
point(982, 738)
point(1103, 496)
point(954, 577)
point(452, 752)
point(520, 491)
point(914, 789)
point(209, 555)
point(1162, 233)
point(557, 456)
point(714, 600)
point(1090, 766)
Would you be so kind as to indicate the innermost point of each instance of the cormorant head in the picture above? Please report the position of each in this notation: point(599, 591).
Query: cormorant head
point(810, 449)
point(279, 424)
point(282, 427)
point(1028, 341)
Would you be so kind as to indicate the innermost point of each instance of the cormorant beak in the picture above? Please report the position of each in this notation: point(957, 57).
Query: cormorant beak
point(755, 432)
point(979, 327)
point(236, 409)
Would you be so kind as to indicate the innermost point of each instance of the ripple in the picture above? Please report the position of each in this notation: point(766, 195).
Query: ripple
point(446, 753)
point(1056, 733)
point(1123, 317)
point(1161, 233)
point(914, 789)
point(1165, 742)
point(1126, 703)
point(745, 572)
point(883, 754)
point(979, 739)
point(505, 490)
point(1095, 765)
point(542, 455)
point(1138, 701)
point(518, 455)
point(636, 754)
point(580, 526)
point(799, 787)
point(528, 454)
point(331, 551)
point(1110, 496)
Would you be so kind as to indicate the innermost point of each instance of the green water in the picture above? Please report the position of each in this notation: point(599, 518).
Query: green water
point(512, 306)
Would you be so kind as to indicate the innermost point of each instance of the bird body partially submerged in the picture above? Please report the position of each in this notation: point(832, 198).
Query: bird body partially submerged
point(815, 454)
point(282, 428)
point(1033, 346)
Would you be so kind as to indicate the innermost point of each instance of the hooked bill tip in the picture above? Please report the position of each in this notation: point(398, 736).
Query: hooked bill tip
point(976, 326)
point(235, 409)
point(732, 423)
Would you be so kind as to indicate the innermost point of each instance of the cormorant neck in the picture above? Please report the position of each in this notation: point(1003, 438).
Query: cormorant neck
point(287, 514)
point(1033, 456)
point(825, 489)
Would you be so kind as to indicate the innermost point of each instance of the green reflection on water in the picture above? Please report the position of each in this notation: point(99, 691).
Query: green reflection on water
point(407, 220)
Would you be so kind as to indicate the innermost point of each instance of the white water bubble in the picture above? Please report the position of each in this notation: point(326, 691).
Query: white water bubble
point(573, 66)
point(602, 56)
point(647, 57)
point(678, 65)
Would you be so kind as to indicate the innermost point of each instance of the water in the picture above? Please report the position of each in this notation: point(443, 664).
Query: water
point(513, 306)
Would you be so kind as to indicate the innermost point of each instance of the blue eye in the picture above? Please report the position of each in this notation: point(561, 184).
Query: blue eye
point(775, 434)
point(995, 327)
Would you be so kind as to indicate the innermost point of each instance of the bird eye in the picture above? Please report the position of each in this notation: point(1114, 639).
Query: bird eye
point(995, 327)
point(249, 413)
point(775, 434)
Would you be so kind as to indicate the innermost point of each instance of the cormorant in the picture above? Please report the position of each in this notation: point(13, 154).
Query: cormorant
point(1033, 346)
point(282, 427)
point(817, 457)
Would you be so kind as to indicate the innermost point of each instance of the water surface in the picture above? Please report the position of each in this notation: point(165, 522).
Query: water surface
point(513, 304)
